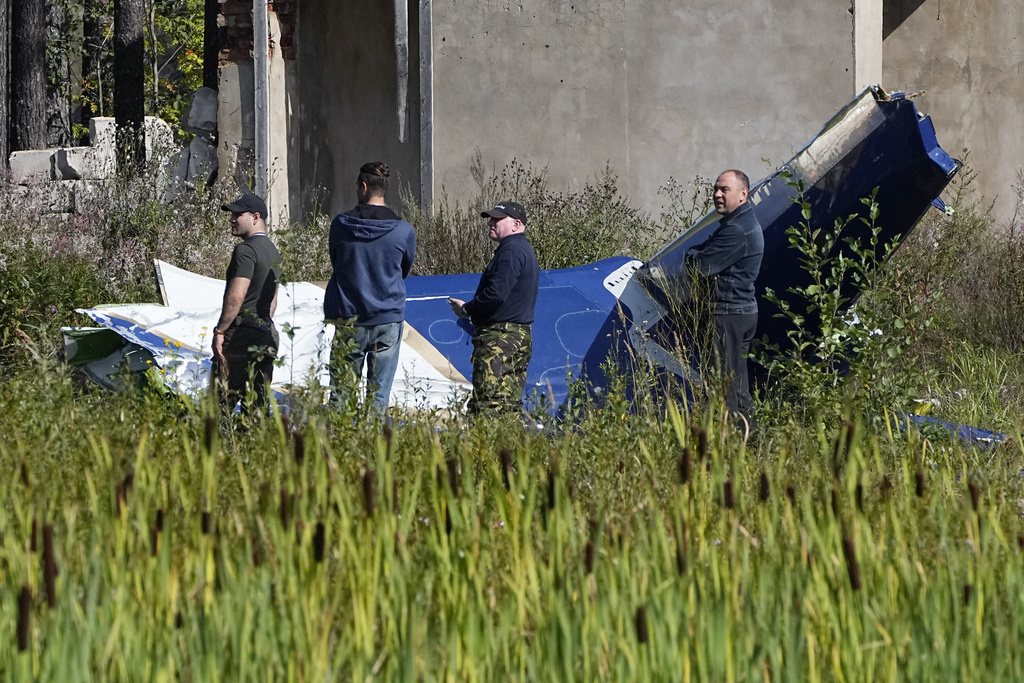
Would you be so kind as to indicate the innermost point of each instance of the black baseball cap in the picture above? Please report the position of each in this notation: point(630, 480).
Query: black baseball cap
point(247, 203)
point(502, 209)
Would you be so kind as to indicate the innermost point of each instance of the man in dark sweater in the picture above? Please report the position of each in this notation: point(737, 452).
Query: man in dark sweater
point(245, 340)
point(731, 259)
point(372, 251)
point(501, 311)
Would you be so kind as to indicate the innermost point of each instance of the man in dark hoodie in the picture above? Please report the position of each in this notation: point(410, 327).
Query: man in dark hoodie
point(372, 251)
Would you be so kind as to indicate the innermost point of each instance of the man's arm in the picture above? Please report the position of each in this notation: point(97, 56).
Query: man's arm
point(718, 253)
point(409, 255)
point(507, 267)
point(234, 296)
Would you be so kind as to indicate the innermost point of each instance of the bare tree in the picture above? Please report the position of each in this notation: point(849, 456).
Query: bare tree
point(129, 84)
point(5, 42)
point(28, 74)
point(211, 44)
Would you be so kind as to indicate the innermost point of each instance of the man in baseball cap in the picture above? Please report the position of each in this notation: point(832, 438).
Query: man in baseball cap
point(502, 315)
point(247, 203)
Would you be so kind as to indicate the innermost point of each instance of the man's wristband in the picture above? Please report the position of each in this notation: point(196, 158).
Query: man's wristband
point(216, 331)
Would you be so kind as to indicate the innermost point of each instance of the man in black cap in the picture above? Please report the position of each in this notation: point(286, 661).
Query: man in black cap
point(502, 314)
point(245, 340)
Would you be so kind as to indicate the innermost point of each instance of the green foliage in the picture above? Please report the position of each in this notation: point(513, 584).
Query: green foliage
point(566, 229)
point(843, 351)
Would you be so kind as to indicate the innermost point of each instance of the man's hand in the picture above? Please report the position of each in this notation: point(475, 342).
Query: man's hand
point(458, 307)
point(218, 347)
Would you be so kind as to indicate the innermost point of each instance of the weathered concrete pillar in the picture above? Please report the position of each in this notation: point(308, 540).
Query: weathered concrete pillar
point(867, 43)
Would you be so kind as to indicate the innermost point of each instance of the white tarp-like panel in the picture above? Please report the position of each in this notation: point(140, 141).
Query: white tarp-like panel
point(178, 334)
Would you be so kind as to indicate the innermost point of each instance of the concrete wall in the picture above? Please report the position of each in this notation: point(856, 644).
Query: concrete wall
point(969, 56)
point(655, 88)
point(347, 112)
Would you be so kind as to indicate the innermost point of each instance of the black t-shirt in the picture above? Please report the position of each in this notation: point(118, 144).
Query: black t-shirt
point(259, 260)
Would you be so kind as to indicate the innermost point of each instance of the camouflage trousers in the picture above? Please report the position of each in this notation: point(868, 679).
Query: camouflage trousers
point(501, 354)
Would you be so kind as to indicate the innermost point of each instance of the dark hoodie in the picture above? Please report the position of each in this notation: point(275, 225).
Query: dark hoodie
point(372, 251)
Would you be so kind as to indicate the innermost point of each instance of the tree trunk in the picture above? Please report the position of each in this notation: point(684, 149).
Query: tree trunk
point(129, 85)
point(5, 112)
point(28, 74)
point(211, 45)
point(58, 93)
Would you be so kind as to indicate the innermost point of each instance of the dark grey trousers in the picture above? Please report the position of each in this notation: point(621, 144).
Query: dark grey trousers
point(733, 334)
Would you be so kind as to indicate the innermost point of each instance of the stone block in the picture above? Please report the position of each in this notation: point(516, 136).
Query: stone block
point(102, 131)
point(32, 165)
point(202, 161)
point(201, 117)
point(85, 163)
point(159, 139)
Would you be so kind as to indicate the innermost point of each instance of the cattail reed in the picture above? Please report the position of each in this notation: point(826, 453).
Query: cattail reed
point(447, 521)
point(622, 467)
point(684, 466)
point(368, 477)
point(319, 535)
point(859, 495)
point(286, 425)
point(160, 520)
point(967, 594)
point(178, 620)
point(727, 495)
point(300, 447)
point(388, 433)
point(702, 444)
point(129, 481)
point(588, 557)
point(552, 473)
point(283, 507)
point(886, 488)
point(919, 483)
point(681, 549)
point(506, 469)
point(257, 555)
point(835, 501)
point(396, 506)
point(210, 427)
point(791, 494)
point(1020, 541)
point(49, 566)
point(33, 545)
point(118, 499)
point(851, 562)
point(25, 479)
point(641, 625)
point(453, 476)
point(850, 427)
point(24, 610)
point(975, 494)
point(206, 523)
point(764, 490)
point(154, 541)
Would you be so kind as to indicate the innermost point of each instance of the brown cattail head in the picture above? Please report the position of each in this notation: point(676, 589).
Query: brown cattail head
point(886, 487)
point(453, 476)
point(919, 482)
point(851, 562)
point(588, 557)
point(210, 428)
point(850, 428)
point(622, 467)
point(791, 494)
point(319, 536)
point(681, 549)
point(286, 425)
point(129, 481)
point(388, 433)
point(178, 620)
point(684, 466)
point(1020, 541)
point(257, 554)
point(24, 611)
point(206, 523)
point(506, 469)
point(859, 495)
point(764, 490)
point(25, 479)
point(300, 447)
point(160, 519)
point(154, 541)
point(33, 544)
point(396, 505)
point(967, 594)
point(368, 478)
point(835, 501)
point(727, 494)
point(49, 566)
point(641, 625)
point(702, 444)
point(447, 521)
point(283, 507)
point(975, 494)
point(119, 499)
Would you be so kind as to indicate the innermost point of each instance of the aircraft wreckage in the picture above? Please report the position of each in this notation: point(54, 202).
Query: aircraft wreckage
point(583, 314)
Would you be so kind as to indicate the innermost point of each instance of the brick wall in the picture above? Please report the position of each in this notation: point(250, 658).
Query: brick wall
point(236, 22)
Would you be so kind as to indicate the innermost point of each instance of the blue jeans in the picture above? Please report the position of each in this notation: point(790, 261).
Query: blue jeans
point(377, 346)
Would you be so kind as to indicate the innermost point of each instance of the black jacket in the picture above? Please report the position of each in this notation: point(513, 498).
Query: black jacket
point(731, 258)
point(507, 292)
